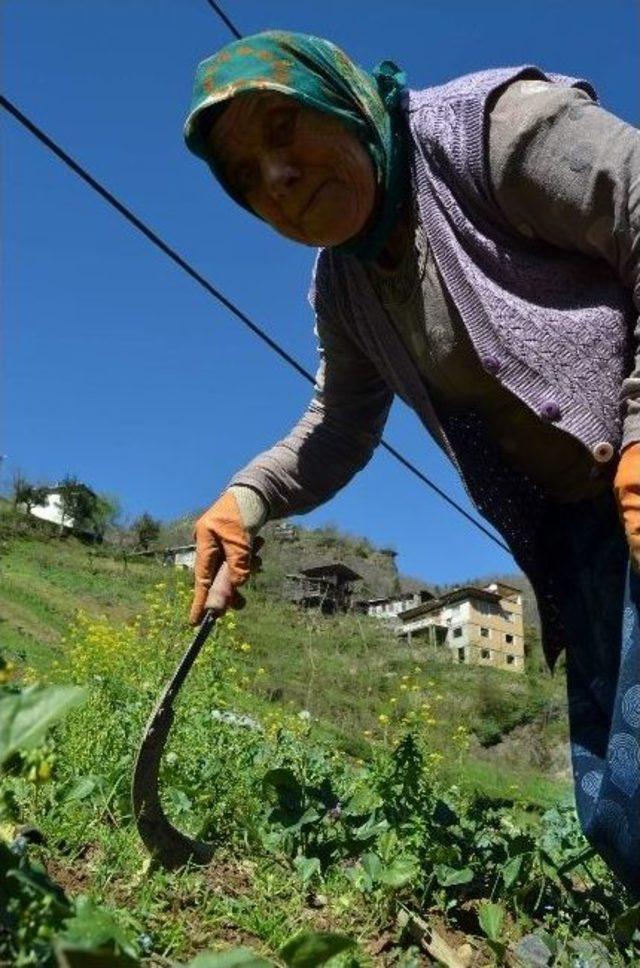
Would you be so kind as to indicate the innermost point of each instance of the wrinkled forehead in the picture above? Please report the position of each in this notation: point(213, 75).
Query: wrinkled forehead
point(239, 120)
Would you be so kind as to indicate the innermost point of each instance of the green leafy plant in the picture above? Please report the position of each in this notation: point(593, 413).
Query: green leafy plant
point(26, 715)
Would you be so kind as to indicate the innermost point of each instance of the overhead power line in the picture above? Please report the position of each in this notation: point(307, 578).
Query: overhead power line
point(218, 9)
point(213, 291)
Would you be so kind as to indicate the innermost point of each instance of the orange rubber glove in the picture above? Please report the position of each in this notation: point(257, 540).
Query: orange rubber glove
point(627, 488)
point(221, 539)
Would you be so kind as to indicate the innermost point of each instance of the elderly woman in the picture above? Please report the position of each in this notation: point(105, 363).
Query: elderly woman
point(480, 256)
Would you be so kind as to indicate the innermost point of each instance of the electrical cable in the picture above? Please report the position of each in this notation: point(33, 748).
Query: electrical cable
point(234, 30)
point(213, 291)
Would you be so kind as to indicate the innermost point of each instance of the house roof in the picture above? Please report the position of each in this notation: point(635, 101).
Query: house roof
point(401, 597)
point(165, 551)
point(449, 598)
point(79, 486)
point(341, 571)
point(506, 591)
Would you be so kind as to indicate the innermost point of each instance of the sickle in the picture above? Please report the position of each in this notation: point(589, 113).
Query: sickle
point(167, 844)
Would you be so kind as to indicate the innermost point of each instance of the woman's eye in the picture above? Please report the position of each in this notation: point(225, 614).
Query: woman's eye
point(281, 128)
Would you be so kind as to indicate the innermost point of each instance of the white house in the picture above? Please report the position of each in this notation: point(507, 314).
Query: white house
point(182, 556)
point(52, 509)
point(391, 607)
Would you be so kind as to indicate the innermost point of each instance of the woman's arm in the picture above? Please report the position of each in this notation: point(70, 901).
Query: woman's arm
point(334, 438)
point(566, 171)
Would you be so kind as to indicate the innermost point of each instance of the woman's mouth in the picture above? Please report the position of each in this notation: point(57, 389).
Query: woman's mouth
point(310, 201)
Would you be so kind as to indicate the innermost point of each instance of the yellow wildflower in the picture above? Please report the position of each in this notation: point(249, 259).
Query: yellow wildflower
point(44, 771)
point(383, 718)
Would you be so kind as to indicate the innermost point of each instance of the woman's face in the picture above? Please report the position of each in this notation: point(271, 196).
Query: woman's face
point(300, 169)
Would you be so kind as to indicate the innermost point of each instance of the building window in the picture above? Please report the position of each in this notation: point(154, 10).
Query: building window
point(511, 659)
point(485, 653)
point(508, 639)
point(457, 633)
point(484, 633)
point(461, 654)
point(486, 608)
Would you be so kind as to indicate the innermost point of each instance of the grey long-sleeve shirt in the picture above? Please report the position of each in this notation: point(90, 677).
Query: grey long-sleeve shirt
point(535, 128)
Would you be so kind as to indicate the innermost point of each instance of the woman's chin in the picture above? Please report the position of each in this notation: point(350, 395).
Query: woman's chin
point(327, 236)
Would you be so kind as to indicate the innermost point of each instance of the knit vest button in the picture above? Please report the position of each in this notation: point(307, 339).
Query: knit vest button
point(491, 364)
point(603, 452)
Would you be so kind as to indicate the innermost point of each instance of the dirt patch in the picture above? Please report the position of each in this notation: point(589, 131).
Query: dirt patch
point(230, 878)
point(74, 877)
point(527, 744)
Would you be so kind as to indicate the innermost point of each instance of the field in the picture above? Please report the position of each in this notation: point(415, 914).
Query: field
point(366, 803)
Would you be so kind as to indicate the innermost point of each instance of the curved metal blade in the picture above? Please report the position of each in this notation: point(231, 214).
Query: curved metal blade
point(164, 841)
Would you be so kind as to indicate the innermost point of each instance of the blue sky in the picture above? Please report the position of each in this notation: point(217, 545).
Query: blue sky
point(116, 366)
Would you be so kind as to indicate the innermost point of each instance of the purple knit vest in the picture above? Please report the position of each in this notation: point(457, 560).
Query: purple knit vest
point(553, 326)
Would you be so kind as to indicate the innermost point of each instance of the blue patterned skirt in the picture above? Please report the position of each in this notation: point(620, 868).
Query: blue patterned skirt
point(601, 613)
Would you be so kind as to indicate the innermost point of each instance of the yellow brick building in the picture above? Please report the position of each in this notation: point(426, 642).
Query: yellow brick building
point(478, 626)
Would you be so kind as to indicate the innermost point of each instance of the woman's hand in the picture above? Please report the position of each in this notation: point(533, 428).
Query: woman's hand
point(627, 488)
point(224, 550)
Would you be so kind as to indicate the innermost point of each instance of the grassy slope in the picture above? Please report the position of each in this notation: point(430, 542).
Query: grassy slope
point(345, 671)
point(45, 580)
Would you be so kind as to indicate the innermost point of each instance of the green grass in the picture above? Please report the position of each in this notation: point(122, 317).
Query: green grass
point(44, 581)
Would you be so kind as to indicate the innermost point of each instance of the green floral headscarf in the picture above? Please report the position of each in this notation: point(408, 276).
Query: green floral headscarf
point(320, 75)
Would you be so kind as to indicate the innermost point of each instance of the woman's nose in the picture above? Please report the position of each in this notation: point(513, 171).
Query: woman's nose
point(279, 176)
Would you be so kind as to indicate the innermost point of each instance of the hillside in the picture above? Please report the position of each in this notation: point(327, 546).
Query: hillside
point(300, 548)
point(345, 670)
point(304, 548)
point(46, 579)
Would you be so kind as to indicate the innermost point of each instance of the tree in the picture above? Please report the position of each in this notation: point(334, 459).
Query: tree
point(146, 530)
point(106, 513)
point(27, 494)
point(77, 504)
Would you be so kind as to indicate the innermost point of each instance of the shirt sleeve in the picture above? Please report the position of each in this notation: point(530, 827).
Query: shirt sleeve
point(336, 435)
point(566, 171)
